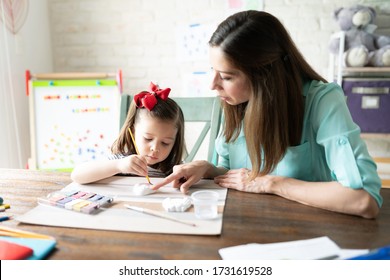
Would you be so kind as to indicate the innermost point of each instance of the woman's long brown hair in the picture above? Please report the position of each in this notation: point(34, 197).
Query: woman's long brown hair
point(258, 44)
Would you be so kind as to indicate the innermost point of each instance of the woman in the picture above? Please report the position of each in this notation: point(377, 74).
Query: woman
point(286, 131)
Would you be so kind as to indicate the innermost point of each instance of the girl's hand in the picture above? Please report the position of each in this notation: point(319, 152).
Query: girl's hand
point(185, 175)
point(133, 164)
point(239, 179)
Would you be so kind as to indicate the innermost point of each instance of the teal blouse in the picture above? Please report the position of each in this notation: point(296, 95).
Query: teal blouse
point(330, 150)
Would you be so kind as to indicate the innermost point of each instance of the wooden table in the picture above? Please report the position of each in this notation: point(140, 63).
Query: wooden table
point(248, 218)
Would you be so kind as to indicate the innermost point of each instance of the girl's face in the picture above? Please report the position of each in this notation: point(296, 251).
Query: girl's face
point(232, 85)
point(154, 138)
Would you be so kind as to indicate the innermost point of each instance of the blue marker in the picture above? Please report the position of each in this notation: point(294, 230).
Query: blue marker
point(376, 254)
point(1, 200)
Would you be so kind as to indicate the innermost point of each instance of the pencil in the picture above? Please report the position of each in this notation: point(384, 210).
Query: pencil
point(158, 214)
point(136, 149)
point(5, 218)
point(4, 231)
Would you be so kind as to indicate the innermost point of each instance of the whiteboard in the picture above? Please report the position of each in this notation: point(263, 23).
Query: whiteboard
point(72, 121)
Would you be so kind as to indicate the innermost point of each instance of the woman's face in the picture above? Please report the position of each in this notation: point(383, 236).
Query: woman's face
point(232, 85)
point(154, 138)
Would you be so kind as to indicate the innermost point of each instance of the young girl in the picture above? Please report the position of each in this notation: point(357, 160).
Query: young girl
point(286, 131)
point(157, 124)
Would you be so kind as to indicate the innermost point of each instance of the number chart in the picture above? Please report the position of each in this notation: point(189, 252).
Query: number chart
point(72, 120)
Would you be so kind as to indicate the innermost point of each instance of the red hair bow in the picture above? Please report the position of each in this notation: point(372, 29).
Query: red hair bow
point(148, 100)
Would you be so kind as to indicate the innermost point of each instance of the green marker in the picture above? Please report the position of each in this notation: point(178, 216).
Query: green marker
point(1, 200)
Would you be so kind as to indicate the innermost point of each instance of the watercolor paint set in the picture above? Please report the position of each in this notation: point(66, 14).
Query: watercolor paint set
point(79, 201)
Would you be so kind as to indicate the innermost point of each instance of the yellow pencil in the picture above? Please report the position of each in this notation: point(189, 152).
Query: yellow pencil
point(136, 149)
point(11, 232)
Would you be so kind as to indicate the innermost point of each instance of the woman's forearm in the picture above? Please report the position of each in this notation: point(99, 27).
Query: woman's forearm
point(326, 195)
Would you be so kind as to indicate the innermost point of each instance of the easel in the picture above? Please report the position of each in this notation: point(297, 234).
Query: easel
point(73, 117)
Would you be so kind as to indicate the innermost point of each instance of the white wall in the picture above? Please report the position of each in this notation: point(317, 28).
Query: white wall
point(30, 48)
point(137, 36)
point(140, 36)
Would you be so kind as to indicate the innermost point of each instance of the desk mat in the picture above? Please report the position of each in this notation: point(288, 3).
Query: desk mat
point(116, 217)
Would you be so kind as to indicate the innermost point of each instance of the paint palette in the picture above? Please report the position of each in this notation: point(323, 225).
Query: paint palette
point(79, 201)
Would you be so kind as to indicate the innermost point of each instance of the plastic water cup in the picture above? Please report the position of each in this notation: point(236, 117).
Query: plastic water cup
point(205, 204)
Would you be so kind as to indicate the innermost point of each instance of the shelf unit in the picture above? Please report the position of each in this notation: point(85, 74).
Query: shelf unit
point(378, 143)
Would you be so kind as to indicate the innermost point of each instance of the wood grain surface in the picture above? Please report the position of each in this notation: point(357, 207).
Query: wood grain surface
point(248, 218)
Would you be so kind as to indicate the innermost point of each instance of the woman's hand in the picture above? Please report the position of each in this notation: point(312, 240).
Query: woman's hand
point(185, 175)
point(133, 164)
point(239, 179)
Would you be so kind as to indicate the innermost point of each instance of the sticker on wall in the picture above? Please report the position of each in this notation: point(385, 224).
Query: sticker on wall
point(191, 42)
point(13, 13)
point(197, 84)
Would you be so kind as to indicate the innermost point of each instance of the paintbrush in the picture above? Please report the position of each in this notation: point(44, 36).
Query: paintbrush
point(136, 149)
point(158, 214)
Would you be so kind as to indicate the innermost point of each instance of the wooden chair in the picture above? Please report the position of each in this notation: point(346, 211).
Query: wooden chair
point(205, 110)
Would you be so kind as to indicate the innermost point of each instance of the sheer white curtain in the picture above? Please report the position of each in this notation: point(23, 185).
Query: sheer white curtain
point(10, 142)
point(26, 47)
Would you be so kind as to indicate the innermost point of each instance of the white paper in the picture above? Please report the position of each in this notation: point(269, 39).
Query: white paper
point(122, 219)
point(191, 42)
point(310, 249)
point(350, 253)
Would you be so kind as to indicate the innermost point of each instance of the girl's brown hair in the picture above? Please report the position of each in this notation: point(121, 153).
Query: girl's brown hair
point(258, 44)
point(164, 110)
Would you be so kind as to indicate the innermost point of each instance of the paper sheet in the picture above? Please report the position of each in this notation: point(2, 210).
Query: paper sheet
point(309, 249)
point(117, 217)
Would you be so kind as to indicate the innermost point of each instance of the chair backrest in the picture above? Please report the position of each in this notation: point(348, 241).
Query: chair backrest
point(206, 110)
